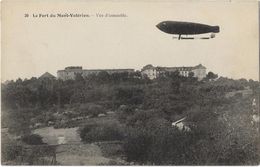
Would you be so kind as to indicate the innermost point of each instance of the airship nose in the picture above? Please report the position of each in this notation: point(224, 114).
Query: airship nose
point(159, 26)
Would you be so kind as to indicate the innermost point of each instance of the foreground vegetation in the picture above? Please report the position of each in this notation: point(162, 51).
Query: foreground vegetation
point(142, 112)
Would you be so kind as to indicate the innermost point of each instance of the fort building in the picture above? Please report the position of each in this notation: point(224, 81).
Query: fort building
point(72, 71)
point(149, 71)
point(152, 72)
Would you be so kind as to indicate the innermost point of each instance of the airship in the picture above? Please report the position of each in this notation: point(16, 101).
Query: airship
point(187, 28)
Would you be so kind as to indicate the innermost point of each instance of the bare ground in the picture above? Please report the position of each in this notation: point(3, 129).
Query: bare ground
point(74, 152)
point(80, 154)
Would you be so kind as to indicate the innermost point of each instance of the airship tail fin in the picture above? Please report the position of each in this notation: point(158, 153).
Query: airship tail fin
point(215, 29)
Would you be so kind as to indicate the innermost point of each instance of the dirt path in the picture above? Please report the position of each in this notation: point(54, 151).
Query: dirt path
point(80, 154)
point(72, 151)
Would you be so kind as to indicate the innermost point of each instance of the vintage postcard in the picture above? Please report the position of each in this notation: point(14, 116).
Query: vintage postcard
point(122, 82)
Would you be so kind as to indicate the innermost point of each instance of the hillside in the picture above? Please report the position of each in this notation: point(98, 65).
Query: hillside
point(139, 112)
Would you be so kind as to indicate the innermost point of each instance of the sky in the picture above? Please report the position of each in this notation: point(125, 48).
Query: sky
point(32, 46)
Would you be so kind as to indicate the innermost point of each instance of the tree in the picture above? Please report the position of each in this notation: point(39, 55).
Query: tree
point(129, 95)
point(79, 78)
point(253, 84)
point(191, 74)
point(91, 109)
point(19, 122)
point(103, 77)
point(211, 75)
point(173, 75)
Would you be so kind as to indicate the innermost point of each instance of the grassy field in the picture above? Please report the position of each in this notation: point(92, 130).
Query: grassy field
point(74, 152)
point(51, 135)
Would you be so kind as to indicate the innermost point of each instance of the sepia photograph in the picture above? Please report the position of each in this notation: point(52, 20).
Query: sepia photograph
point(130, 82)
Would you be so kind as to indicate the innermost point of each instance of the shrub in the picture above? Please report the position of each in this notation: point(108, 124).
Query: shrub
point(137, 144)
point(141, 117)
point(101, 132)
point(160, 145)
point(129, 95)
point(91, 109)
point(124, 111)
point(10, 150)
point(33, 139)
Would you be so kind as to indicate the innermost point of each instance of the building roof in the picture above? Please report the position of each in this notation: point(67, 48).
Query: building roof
point(199, 67)
point(178, 68)
point(178, 121)
point(99, 70)
point(149, 66)
point(73, 68)
point(47, 75)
